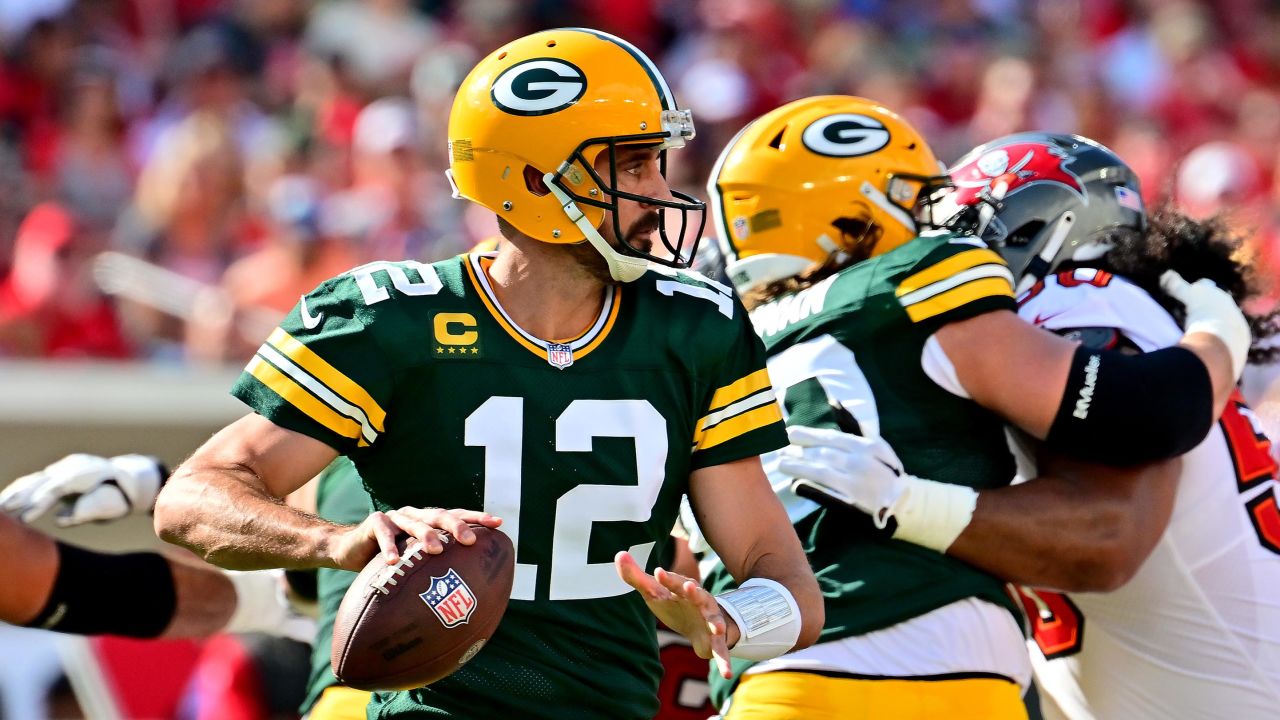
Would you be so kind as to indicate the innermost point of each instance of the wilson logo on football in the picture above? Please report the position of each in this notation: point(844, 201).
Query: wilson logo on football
point(539, 86)
point(450, 599)
point(1017, 166)
point(845, 135)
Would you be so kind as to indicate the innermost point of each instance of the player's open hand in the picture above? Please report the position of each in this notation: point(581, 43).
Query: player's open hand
point(354, 547)
point(684, 606)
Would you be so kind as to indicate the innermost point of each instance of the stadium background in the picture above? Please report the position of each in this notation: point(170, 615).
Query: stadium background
point(175, 173)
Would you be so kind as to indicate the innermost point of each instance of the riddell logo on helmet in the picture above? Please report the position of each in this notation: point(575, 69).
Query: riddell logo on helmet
point(540, 86)
point(1019, 165)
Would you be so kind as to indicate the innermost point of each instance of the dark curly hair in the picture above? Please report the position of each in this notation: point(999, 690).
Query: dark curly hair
point(1195, 249)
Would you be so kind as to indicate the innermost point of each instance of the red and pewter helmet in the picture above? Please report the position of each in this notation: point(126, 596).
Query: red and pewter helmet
point(1042, 200)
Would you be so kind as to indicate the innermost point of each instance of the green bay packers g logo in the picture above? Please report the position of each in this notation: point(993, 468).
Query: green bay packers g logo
point(845, 135)
point(539, 86)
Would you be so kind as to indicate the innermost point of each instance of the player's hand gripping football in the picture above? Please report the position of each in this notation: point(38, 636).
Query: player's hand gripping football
point(684, 606)
point(85, 488)
point(838, 468)
point(354, 547)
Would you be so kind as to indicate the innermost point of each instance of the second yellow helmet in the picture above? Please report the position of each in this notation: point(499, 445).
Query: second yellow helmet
point(816, 177)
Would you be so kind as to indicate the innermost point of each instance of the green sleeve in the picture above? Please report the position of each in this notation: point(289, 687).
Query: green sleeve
point(741, 417)
point(322, 372)
point(959, 279)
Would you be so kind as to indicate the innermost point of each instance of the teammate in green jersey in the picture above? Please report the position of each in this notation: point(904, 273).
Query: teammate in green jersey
point(561, 388)
point(866, 321)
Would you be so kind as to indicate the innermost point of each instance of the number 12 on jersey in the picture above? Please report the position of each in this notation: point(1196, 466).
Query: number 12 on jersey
point(498, 426)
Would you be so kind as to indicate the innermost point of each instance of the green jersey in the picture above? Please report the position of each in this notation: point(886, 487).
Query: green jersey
point(855, 341)
point(340, 498)
point(584, 447)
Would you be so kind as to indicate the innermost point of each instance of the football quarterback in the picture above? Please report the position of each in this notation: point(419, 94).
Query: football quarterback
point(560, 387)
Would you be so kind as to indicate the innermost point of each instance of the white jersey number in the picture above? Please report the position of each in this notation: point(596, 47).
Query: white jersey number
point(821, 370)
point(498, 427)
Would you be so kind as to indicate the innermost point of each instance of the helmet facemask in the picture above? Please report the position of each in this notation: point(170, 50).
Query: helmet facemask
point(628, 262)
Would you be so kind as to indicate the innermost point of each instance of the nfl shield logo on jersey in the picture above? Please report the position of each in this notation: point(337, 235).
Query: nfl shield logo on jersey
point(560, 356)
point(450, 599)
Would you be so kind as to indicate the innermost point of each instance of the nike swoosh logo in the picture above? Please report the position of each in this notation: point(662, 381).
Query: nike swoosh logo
point(309, 321)
point(1042, 319)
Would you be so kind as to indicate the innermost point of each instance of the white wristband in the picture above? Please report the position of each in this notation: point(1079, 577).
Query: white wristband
point(933, 514)
point(767, 616)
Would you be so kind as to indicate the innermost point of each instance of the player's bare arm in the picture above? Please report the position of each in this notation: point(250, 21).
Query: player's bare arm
point(1078, 527)
point(747, 527)
point(224, 503)
point(68, 589)
point(998, 358)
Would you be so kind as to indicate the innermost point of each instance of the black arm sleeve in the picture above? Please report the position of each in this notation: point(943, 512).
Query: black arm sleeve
point(1121, 409)
point(102, 594)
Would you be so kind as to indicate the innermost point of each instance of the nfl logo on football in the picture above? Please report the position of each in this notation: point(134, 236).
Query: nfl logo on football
point(450, 599)
point(560, 356)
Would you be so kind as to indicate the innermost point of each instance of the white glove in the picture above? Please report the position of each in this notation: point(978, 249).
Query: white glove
point(263, 606)
point(1210, 309)
point(865, 474)
point(862, 473)
point(86, 488)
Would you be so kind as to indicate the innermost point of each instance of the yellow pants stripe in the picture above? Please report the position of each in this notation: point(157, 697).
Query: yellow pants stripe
point(807, 696)
point(340, 703)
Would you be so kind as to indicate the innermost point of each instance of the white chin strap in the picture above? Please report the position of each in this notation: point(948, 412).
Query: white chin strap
point(623, 268)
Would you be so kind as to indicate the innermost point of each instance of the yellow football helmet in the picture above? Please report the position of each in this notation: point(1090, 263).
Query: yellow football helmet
point(817, 177)
point(529, 122)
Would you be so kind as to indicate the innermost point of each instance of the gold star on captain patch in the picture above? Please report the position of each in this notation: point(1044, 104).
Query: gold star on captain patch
point(475, 351)
point(439, 349)
point(450, 351)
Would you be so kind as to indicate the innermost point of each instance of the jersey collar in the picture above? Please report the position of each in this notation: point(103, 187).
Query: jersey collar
point(477, 265)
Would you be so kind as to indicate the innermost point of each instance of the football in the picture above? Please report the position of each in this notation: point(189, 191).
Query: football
point(412, 623)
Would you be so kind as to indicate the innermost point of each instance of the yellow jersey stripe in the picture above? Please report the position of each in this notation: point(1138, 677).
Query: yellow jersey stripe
point(293, 393)
point(345, 387)
point(947, 268)
point(959, 296)
point(740, 388)
point(989, 270)
point(739, 425)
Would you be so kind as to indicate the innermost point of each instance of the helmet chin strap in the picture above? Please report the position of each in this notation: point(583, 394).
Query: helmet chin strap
point(623, 268)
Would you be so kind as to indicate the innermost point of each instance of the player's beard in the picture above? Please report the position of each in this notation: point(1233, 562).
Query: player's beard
point(639, 235)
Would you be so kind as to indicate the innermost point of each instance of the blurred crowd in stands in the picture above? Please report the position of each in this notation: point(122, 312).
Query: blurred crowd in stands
point(247, 149)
